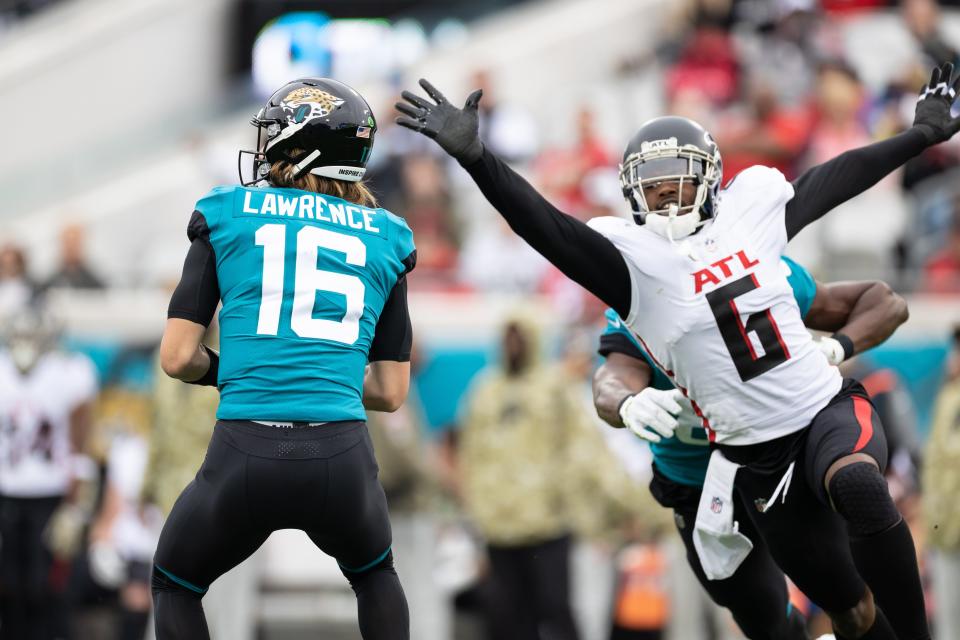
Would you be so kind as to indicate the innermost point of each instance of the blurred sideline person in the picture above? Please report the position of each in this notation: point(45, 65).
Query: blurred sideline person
point(622, 560)
point(122, 537)
point(533, 470)
point(45, 401)
point(182, 415)
point(119, 427)
point(696, 273)
point(314, 328)
point(941, 497)
point(629, 390)
point(407, 472)
point(73, 271)
point(16, 288)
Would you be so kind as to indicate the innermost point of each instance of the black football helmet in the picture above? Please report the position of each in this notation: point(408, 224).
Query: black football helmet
point(319, 125)
point(672, 148)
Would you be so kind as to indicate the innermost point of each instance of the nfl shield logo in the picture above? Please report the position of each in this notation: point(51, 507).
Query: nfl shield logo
point(760, 504)
point(716, 505)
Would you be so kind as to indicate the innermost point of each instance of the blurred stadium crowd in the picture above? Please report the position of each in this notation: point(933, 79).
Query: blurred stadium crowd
point(524, 463)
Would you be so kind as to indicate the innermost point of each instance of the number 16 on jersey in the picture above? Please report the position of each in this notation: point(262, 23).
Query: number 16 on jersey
point(308, 280)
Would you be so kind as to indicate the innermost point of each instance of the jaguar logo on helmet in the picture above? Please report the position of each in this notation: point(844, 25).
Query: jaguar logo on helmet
point(304, 103)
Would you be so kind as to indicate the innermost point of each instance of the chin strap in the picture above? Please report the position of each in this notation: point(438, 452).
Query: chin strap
point(684, 248)
point(665, 228)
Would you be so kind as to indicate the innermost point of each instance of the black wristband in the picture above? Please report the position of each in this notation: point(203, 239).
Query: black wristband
point(209, 379)
point(625, 398)
point(846, 343)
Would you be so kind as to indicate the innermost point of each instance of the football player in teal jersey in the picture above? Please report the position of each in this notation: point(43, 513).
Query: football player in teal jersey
point(630, 391)
point(314, 328)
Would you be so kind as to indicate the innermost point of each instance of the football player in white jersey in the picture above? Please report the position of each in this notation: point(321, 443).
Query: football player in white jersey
point(696, 277)
point(630, 391)
point(45, 398)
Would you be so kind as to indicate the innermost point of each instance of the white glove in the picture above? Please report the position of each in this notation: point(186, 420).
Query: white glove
point(832, 349)
point(650, 413)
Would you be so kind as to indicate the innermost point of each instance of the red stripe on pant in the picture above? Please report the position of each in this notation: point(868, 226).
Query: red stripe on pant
point(864, 412)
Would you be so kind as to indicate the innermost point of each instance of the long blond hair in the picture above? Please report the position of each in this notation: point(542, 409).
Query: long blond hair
point(281, 175)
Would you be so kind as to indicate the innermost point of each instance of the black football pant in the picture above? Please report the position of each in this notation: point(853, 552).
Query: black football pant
point(530, 592)
point(257, 479)
point(817, 538)
point(30, 609)
point(756, 594)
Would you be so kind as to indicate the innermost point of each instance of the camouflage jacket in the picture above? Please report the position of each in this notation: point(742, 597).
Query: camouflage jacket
point(941, 473)
point(533, 464)
point(183, 419)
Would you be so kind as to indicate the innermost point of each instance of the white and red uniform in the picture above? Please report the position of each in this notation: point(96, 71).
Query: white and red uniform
point(35, 422)
point(717, 313)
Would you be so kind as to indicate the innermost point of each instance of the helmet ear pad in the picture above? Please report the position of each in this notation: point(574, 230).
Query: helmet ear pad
point(628, 194)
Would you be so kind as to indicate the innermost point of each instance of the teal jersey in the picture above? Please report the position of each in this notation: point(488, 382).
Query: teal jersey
point(803, 285)
point(303, 279)
point(683, 458)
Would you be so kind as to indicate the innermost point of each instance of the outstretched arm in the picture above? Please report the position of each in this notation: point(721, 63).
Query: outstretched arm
point(862, 315)
point(581, 253)
point(825, 186)
point(828, 185)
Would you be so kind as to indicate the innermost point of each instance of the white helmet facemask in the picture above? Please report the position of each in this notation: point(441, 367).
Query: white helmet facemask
point(664, 161)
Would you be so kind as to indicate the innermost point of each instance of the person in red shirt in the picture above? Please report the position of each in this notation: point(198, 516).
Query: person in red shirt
point(941, 272)
point(766, 133)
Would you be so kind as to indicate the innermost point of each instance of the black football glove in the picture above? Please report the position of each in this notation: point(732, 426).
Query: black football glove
point(933, 107)
point(455, 130)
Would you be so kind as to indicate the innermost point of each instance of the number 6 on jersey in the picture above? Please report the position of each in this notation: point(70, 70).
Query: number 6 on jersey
point(308, 280)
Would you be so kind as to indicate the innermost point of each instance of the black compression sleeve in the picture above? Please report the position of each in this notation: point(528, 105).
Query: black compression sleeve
point(618, 343)
point(827, 185)
point(393, 336)
point(211, 377)
point(198, 293)
point(582, 254)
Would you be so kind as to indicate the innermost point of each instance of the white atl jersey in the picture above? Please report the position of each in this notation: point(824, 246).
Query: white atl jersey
point(716, 312)
point(35, 422)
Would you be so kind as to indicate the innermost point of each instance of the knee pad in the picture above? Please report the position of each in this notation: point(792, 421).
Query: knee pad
point(859, 494)
point(163, 581)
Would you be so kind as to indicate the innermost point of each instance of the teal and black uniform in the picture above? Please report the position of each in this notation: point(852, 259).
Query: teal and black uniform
point(755, 594)
point(313, 288)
